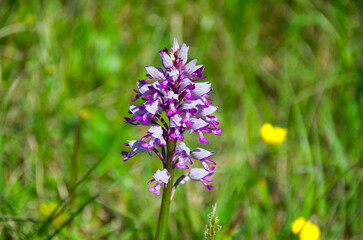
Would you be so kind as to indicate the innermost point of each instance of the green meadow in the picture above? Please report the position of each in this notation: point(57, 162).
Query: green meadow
point(67, 74)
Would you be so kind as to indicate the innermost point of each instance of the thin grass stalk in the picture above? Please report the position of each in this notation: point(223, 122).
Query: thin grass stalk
point(74, 159)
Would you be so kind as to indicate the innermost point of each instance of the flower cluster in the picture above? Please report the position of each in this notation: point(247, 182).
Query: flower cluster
point(173, 103)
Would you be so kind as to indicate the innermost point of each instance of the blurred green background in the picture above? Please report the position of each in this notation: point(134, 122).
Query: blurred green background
point(67, 71)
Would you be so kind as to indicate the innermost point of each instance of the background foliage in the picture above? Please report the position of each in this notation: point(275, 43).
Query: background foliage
point(297, 64)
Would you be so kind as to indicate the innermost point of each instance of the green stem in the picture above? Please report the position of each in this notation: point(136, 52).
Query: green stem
point(2, 179)
point(165, 202)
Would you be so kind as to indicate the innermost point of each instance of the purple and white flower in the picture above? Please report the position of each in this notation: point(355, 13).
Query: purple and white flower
point(161, 176)
point(182, 152)
point(195, 174)
point(136, 147)
point(203, 156)
point(171, 102)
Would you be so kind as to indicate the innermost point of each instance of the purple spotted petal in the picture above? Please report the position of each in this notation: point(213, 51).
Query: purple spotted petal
point(181, 147)
point(198, 68)
point(157, 87)
point(137, 109)
point(156, 131)
point(172, 97)
point(175, 46)
point(190, 105)
point(197, 174)
point(204, 110)
point(201, 175)
point(200, 154)
point(166, 61)
point(136, 147)
point(198, 123)
point(186, 83)
point(144, 88)
point(201, 89)
point(183, 53)
point(175, 121)
point(153, 107)
point(155, 72)
point(173, 74)
point(162, 175)
point(188, 68)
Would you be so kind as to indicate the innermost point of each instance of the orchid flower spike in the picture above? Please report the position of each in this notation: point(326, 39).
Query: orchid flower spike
point(172, 101)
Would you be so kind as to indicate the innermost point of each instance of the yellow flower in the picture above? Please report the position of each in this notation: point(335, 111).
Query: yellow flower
point(84, 114)
point(47, 209)
point(306, 229)
point(273, 135)
point(309, 231)
point(297, 225)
